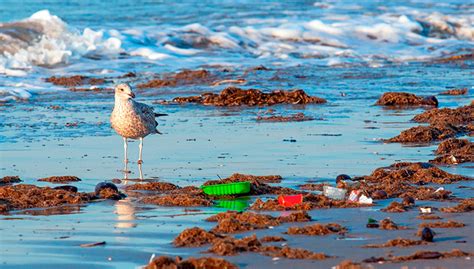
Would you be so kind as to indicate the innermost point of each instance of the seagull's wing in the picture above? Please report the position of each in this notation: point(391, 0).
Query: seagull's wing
point(146, 110)
point(148, 114)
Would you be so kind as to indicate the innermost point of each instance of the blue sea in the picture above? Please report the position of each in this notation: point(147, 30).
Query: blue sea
point(43, 38)
point(347, 52)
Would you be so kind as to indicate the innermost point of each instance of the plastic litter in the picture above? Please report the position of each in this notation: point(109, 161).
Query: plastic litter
point(354, 195)
point(227, 189)
point(439, 189)
point(365, 200)
point(453, 159)
point(152, 257)
point(334, 193)
point(290, 200)
point(425, 209)
point(371, 223)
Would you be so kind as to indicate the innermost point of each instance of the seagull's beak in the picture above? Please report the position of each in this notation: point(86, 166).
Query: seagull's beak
point(132, 95)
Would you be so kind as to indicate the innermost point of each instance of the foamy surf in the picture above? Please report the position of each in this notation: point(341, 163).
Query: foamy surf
point(46, 40)
point(327, 34)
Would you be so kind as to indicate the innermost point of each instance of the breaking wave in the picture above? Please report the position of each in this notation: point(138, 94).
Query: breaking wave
point(44, 41)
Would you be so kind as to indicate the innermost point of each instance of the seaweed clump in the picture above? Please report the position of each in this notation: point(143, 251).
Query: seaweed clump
point(60, 179)
point(24, 196)
point(9, 180)
point(401, 99)
point(233, 96)
point(317, 229)
point(164, 262)
point(454, 151)
point(76, 80)
point(296, 117)
point(184, 77)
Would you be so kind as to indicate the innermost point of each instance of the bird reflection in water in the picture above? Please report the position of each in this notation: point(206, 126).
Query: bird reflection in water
point(125, 211)
point(140, 173)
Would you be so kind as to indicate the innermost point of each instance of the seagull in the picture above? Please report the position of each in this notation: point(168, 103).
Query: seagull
point(132, 120)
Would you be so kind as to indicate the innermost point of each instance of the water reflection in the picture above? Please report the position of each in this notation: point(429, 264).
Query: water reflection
point(140, 170)
point(125, 211)
point(127, 172)
point(57, 210)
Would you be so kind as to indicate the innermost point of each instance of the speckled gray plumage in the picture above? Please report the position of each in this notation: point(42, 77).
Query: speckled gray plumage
point(132, 119)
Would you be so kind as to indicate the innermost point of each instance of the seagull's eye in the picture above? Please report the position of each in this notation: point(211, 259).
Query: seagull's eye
point(121, 90)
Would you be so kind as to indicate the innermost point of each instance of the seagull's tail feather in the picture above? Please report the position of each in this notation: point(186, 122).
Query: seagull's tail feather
point(156, 123)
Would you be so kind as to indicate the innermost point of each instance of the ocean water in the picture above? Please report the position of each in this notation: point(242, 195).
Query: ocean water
point(41, 38)
point(348, 52)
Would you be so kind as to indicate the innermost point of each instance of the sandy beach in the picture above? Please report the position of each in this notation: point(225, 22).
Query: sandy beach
point(304, 119)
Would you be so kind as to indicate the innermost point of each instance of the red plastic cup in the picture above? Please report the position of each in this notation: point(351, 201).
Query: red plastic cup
point(290, 200)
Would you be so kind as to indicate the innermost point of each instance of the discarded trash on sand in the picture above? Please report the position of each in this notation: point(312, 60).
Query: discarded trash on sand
point(356, 196)
point(425, 209)
point(227, 189)
point(334, 193)
point(439, 189)
point(290, 200)
point(365, 200)
point(372, 223)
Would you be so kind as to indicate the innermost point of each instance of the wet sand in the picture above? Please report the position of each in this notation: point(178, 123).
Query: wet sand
point(205, 143)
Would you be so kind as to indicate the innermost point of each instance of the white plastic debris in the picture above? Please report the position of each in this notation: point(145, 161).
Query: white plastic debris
point(439, 189)
point(453, 159)
point(354, 196)
point(425, 209)
point(365, 200)
point(334, 193)
point(152, 257)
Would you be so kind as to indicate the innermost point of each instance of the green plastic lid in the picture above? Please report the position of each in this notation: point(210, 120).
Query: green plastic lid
point(227, 189)
point(371, 220)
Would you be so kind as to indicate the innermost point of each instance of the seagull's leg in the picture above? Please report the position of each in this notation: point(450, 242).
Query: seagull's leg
point(125, 160)
point(140, 148)
point(140, 170)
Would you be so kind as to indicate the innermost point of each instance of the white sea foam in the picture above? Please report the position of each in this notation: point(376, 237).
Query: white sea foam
point(181, 51)
point(14, 94)
point(46, 40)
point(387, 37)
point(149, 53)
point(391, 34)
